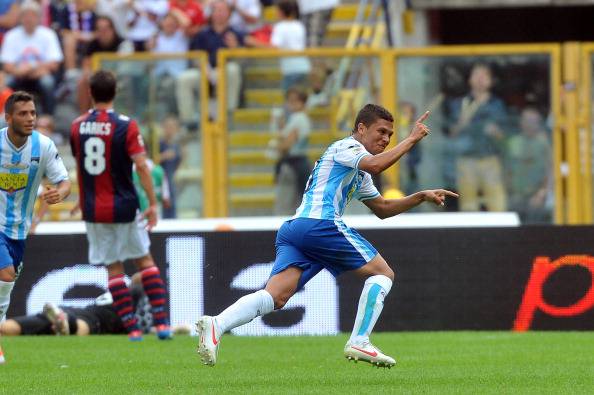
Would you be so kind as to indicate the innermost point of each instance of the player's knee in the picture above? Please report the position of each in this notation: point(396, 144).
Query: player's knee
point(388, 272)
point(145, 262)
point(115, 269)
point(7, 275)
point(10, 328)
point(280, 301)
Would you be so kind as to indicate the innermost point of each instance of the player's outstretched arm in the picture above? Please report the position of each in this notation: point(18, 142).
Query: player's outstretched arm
point(53, 195)
point(385, 208)
point(144, 173)
point(375, 164)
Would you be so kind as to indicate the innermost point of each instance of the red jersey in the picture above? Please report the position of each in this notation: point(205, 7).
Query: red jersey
point(103, 143)
point(192, 9)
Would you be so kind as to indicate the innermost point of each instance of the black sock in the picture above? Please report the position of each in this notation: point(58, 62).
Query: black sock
point(72, 324)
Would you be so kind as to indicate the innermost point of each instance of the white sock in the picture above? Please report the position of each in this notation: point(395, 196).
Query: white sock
point(370, 307)
point(244, 310)
point(5, 290)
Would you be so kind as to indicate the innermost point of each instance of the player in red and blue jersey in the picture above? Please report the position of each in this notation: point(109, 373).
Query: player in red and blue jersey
point(106, 145)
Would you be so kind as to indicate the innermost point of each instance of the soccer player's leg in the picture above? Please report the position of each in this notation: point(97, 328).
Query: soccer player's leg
point(122, 300)
point(154, 288)
point(11, 254)
point(285, 280)
point(138, 247)
point(58, 318)
point(110, 244)
point(342, 249)
point(371, 302)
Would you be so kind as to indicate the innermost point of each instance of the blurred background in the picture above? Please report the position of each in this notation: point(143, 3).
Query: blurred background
point(218, 86)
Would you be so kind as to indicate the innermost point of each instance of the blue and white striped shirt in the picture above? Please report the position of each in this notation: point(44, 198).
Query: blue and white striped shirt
point(21, 172)
point(335, 180)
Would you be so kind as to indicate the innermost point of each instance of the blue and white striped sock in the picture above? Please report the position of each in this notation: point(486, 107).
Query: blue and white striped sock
point(370, 307)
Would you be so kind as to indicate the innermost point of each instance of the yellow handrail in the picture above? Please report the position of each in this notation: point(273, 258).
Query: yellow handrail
point(208, 149)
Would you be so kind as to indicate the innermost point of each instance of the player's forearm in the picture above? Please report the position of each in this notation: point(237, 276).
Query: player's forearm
point(146, 181)
point(397, 206)
point(64, 188)
point(378, 163)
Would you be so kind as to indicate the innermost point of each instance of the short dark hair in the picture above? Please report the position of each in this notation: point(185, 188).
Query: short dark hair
point(297, 90)
point(371, 113)
point(17, 97)
point(289, 8)
point(103, 86)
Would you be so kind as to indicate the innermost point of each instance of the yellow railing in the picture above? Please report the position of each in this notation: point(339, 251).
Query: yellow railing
point(554, 51)
point(200, 59)
point(570, 79)
point(585, 129)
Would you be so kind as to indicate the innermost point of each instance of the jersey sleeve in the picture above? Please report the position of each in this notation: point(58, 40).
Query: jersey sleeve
point(367, 189)
point(349, 154)
point(134, 141)
point(55, 170)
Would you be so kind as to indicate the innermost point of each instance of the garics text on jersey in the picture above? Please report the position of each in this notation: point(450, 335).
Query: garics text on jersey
point(97, 128)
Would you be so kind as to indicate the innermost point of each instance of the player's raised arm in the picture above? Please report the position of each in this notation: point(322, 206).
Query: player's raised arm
point(385, 208)
point(375, 164)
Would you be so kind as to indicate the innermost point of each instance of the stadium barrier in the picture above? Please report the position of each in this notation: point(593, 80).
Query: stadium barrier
point(472, 277)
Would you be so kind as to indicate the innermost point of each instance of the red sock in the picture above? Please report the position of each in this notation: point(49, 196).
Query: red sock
point(157, 294)
point(122, 302)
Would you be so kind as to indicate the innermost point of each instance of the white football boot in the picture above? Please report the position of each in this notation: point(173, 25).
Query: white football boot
point(367, 352)
point(209, 339)
point(58, 318)
point(2, 360)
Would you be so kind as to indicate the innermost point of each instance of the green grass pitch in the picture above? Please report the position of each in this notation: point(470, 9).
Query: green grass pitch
point(427, 362)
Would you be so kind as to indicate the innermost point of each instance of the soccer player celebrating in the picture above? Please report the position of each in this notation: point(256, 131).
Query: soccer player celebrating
point(26, 156)
point(316, 238)
point(106, 145)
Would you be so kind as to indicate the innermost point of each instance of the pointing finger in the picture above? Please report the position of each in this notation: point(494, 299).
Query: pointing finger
point(450, 193)
point(423, 117)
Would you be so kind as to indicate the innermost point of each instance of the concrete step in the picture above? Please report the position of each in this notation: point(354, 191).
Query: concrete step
point(264, 98)
point(262, 115)
point(252, 200)
point(259, 158)
point(252, 180)
point(246, 139)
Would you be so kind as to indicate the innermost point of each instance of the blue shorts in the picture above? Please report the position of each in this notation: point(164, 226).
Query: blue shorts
point(11, 252)
point(315, 244)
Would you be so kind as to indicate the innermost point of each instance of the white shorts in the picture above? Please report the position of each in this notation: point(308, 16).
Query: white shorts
point(111, 243)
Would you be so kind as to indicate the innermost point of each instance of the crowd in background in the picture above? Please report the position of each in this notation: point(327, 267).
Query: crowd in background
point(47, 47)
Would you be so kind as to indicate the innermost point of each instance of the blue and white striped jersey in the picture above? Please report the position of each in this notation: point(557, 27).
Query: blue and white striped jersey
point(21, 172)
point(335, 180)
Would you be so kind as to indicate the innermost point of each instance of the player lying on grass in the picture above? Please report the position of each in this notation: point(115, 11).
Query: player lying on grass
point(316, 238)
point(98, 318)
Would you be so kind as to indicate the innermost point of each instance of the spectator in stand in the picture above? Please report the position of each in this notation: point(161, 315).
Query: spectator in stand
point(170, 159)
point(289, 34)
point(292, 167)
point(476, 140)
point(77, 24)
point(117, 12)
point(170, 40)
point(106, 40)
point(189, 14)
point(245, 14)
point(143, 20)
point(9, 16)
point(5, 92)
point(31, 54)
point(529, 169)
point(219, 34)
point(316, 16)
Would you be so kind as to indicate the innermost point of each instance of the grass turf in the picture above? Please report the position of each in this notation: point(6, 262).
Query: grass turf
point(427, 362)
